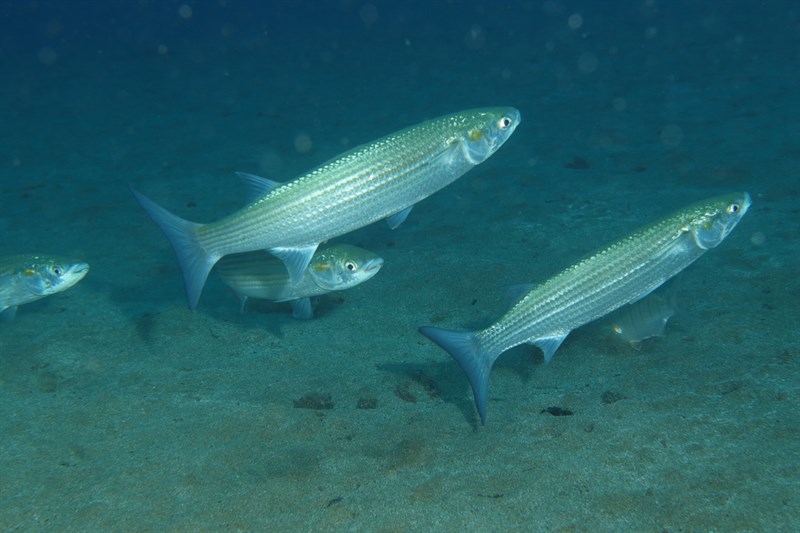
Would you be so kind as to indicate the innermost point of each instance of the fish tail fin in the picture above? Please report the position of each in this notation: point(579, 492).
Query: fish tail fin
point(193, 259)
point(466, 349)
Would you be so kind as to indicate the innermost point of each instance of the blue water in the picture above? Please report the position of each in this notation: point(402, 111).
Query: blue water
point(122, 410)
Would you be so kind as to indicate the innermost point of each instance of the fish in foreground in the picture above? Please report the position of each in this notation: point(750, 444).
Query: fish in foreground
point(334, 268)
point(379, 180)
point(27, 278)
point(644, 319)
point(621, 273)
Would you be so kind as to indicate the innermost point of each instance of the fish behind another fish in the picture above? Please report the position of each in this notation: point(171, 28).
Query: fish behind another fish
point(644, 319)
point(27, 278)
point(382, 179)
point(333, 268)
point(621, 273)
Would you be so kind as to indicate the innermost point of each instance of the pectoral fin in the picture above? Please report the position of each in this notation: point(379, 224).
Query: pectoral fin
point(398, 218)
point(295, 259)
point(302, 308)
point(242, 301)
point(8, 314)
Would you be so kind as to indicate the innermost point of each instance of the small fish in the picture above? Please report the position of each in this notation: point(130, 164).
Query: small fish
point(261, 275)
point(27, 278)
point(646, 318)
point(379, 180)
point(621, 273)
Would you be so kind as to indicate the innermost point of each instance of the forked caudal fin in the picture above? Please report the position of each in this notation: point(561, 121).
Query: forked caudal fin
point(194, 261)
point(466, 350)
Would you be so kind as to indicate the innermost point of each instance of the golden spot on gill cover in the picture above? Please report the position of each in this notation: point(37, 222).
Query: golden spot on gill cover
point(28, 272)
point(475, 135)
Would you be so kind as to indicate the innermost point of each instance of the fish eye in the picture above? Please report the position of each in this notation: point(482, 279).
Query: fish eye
point(733, 209)
point(352, 266)
point(57, 270)
point(504, 123)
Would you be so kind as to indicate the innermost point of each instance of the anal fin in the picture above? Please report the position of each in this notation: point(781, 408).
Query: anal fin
point(549, 345)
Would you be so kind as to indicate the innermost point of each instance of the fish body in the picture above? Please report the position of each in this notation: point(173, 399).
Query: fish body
point(261, 275)
point(621, 273)
point(27, 278)
point(378, 180)
point(644, 319)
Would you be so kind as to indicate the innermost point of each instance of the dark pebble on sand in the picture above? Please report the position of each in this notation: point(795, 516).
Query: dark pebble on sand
point(557, 411)
point(367, 403)
point(314, 400)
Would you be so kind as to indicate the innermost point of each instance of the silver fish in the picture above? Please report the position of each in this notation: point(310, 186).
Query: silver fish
point(27, 278)
point(644, 319)
point(261, 275)
point(621, 273)
point(379, 180)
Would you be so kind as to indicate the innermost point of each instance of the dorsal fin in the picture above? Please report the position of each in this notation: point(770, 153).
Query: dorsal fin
point(257, 186)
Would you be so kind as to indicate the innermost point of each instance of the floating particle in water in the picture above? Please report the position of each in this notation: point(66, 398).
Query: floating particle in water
point(368, 14)
point(302, 143)
point(671, 135)
point(475, 38)
point(587, 63)
point(575, 21)
point(619, 104)
point(47, 56)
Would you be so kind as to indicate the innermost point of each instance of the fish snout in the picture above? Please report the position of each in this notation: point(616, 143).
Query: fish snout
point(373, 265)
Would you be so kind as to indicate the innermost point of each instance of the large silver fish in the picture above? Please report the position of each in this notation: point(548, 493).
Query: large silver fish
point(621, 273)
point(381, 179)
point(27, 278)
point(334, 268)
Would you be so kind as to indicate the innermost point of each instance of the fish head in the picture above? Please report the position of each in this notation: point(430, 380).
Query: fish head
point(714, 219)
point(343, 266)
point(483, 131)
point(45, 275)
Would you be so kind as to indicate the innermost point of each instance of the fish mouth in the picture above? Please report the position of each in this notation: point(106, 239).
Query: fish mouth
point(373, 265)
point(80, 269)
point(77, 272)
